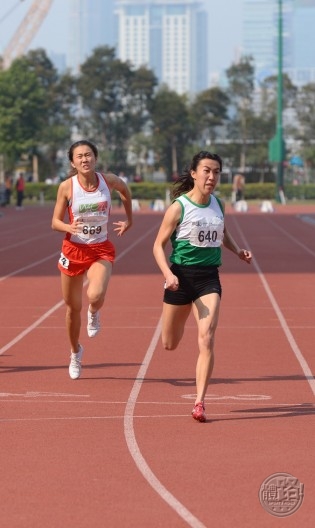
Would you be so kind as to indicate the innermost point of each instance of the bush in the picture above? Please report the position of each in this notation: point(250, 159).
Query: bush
point(157, 191)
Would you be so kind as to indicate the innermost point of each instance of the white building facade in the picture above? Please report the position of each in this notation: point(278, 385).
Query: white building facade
point(167, 36)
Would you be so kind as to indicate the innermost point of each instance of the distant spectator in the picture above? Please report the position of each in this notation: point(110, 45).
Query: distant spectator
point(2, 196)
point(238, 187)
point(20, 188)
point(8, 190)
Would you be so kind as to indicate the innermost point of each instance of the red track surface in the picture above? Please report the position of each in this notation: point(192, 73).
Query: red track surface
point(118, 448)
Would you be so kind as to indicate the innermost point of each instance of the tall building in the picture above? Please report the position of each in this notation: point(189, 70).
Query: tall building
point(260, 34)
point(260, 37)
point(304, 42)
point(168, 36)
point(92, 24)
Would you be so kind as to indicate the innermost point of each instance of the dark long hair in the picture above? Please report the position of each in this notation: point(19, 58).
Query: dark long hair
point(81, 143)
point(185, 181)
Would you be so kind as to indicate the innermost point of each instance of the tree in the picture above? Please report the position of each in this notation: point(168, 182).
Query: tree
point(59, 108)
point(241, 90)
point(208, 113)
point(115, 99)
point(305, 112)
point(22, 105)
point(270, 87)
point(36, 111)
point(142, 89)
point(171, 128)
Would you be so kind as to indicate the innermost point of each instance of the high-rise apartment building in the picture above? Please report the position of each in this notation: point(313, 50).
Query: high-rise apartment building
point(260, 37)
point(260, 33)
point(168, 36)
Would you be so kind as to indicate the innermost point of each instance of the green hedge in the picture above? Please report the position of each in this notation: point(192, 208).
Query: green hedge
point(153, 191)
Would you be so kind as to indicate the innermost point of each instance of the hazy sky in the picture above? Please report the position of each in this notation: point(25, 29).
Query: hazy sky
point(224, 28)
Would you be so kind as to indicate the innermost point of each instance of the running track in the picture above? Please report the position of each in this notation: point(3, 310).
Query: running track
point(118, 448)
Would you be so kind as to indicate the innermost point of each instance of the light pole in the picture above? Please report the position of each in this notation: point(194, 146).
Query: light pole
point(276, 144)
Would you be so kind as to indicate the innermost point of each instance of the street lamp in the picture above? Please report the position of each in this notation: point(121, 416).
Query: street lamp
point(277, 144)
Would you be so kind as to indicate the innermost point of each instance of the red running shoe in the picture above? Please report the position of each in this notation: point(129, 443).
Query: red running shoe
point(198, 412)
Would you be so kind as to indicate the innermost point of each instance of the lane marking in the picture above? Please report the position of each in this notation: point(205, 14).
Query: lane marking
point(29, 224)
point(307, 219)
point(133, 447)
point(42, 394)
point(30, 328)
point(9, 400)
point(246, 397)
point(293, 344)
point(33, 265)
point(291, 237)
point(27, 241)
point(259, 414)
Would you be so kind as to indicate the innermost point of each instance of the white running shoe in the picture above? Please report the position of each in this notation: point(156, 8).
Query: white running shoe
point(94, 325)
point(75, 363)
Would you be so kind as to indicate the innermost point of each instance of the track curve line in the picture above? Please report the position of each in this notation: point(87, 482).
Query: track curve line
point(133, 447)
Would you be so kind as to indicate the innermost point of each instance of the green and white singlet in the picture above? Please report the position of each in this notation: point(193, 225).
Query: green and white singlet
point(198, 236)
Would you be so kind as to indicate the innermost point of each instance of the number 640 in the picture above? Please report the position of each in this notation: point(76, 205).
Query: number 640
point(207, 235)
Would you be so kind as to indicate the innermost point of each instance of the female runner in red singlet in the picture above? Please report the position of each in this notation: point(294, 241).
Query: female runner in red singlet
point(86, 196)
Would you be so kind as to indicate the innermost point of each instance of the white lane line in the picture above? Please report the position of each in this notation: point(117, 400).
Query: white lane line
point(30, 328)
point(26, 241)
point(36, 263)
point(133, 447)
point(190, 519)
point(257, 404)
point(37, 395)
point(291, 237)
point(307, 219)
point(293, 344)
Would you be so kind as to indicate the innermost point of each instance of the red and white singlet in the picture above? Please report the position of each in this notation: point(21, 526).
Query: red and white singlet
point(92, 208)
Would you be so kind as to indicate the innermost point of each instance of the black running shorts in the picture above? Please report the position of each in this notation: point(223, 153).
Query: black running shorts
point(194, 282)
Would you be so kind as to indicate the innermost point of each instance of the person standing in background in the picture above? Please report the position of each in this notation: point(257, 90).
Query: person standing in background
point(20, 188)
point(8, 189)
point(238, 187)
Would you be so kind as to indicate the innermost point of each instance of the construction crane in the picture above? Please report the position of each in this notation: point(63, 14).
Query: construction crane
point(26, 31)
